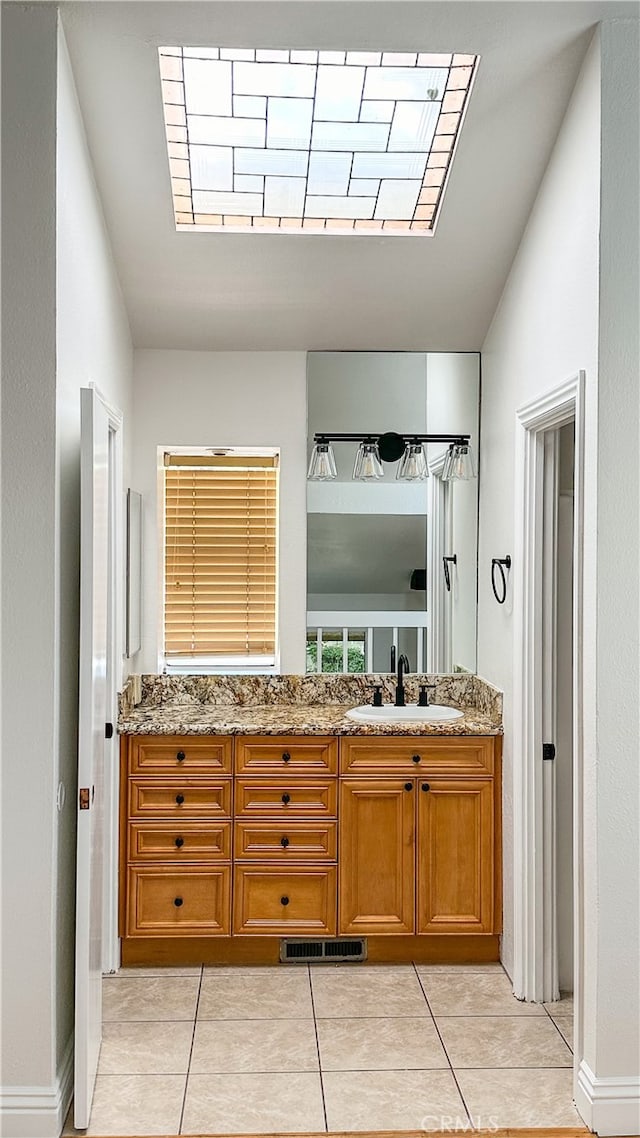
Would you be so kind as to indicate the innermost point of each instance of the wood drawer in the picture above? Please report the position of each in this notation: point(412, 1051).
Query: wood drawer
point(168, 841)
point(287, 902)
point(158, 798)
point(279, 841)
point(275, 754)
point(161, 754)
point(287, 797)
point(204, 896)
point(417, 755)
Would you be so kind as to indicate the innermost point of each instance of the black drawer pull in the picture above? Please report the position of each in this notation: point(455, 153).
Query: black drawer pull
point(286, 798)
point(181, 756)
point(178, 902)
point(408, 786)
point(284, 842)
point(286, 757)
point(415, 758)
point(179, 799)
point(425, 786)
point(284, 900)
point(179, 842)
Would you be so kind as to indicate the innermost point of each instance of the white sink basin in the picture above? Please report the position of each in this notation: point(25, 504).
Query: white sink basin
point(435, 713)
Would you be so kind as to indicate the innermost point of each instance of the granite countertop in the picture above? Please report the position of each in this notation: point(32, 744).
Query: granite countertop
point(285, 719)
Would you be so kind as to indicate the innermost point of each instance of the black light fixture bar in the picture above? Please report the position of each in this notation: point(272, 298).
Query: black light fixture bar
point(341, 437)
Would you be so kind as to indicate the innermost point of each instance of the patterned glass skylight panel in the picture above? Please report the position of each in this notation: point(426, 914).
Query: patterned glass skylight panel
point(331, 141)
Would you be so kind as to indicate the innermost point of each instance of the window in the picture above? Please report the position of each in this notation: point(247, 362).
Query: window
point(220, 560)
point(311, 141)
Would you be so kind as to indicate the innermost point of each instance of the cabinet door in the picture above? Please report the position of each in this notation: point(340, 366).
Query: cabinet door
point(455, 856)
point(377, 857)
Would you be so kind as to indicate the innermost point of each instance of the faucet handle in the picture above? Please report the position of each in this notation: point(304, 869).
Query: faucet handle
point(423, 698)
point(377, 696)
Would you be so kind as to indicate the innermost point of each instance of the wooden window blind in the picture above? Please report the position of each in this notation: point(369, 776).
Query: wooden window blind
point(220, 557)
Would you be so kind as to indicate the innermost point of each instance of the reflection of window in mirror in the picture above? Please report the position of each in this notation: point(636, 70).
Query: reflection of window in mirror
point(220, 525)
point(374, 572)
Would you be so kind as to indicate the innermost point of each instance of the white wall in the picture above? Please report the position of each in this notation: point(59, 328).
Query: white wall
point(63, 324)
point(544, 331)
point(93, 345)
point(563, 310)
point(225, 399)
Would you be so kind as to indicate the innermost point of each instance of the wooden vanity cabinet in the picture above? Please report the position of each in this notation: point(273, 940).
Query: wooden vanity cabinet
point(418, 852)
point(270, 836)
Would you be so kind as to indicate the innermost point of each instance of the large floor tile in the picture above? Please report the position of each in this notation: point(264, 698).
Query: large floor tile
point(494, 969)
point(503, 1041)
point(380, 1045)
point(519, 1098)
point(255, 993)
point(256, 1045)
point(135, 1104)
point(253, 1104)
point(145, 1048)
point(475, 994)
point(392, 1100)
point(565, 1026)
point(561, 1007)
point(149, 997)
point(374, 992)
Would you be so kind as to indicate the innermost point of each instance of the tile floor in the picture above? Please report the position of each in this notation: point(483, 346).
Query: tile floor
point(351, 1047)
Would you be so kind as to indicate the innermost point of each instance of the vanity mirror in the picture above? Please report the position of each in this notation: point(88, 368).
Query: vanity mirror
point(391, 561)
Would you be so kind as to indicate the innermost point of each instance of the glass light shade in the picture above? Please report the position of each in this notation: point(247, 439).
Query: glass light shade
point(322, 467)
point(459, 465)
point(368, 467)
point(413, 464)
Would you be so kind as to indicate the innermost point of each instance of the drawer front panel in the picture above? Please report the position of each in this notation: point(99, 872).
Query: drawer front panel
point(417, 755)
point(193, 902)
point(286, 798)
point(307, 841)
point(182, 798)
point(192, 754)
point(277, 754)
point(292, 901)
point(168, 841)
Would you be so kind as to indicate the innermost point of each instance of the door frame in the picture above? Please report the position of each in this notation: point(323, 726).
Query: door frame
point(439, 529)
point(115, 643)
point(535, 897)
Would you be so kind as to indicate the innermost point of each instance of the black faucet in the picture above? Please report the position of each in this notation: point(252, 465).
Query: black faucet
point(403, 668)
point(393, 658)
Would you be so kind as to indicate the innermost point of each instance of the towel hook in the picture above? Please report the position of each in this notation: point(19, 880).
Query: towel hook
point(500, 590)
point(445, 565)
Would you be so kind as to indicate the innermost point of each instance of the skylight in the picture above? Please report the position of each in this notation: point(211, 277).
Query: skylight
point(310, 141)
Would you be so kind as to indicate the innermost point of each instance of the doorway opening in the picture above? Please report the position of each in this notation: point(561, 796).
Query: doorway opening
point(548, 911)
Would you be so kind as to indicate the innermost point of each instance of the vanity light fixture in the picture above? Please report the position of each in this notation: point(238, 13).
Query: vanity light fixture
point(374, 450)
point(459, 465)
point(322, 467)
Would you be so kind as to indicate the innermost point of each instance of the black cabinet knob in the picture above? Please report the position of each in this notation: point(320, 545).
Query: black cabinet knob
point(286, 798)
point(286, 757)
point(179, 799)
point(178, 902)
point(179, 842)
point(181, 756)
point(284, 842)
point(408, 786)
point(415, 758)
point(425, 786)
point(284, 900)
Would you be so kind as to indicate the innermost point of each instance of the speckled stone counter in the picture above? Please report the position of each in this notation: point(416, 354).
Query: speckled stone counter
point(300, 705)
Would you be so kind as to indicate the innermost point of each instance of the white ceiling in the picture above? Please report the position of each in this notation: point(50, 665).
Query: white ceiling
point(276, 291)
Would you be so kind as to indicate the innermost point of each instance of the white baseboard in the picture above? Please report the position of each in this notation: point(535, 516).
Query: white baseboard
point(609, 1104)
point(38, 1112)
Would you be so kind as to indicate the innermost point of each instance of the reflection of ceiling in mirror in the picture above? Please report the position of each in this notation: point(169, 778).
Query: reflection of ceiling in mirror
point(365, 553)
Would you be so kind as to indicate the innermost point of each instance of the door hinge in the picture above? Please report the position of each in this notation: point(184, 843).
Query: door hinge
point(108, 730)
point(85, 799)
point(548, 752)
